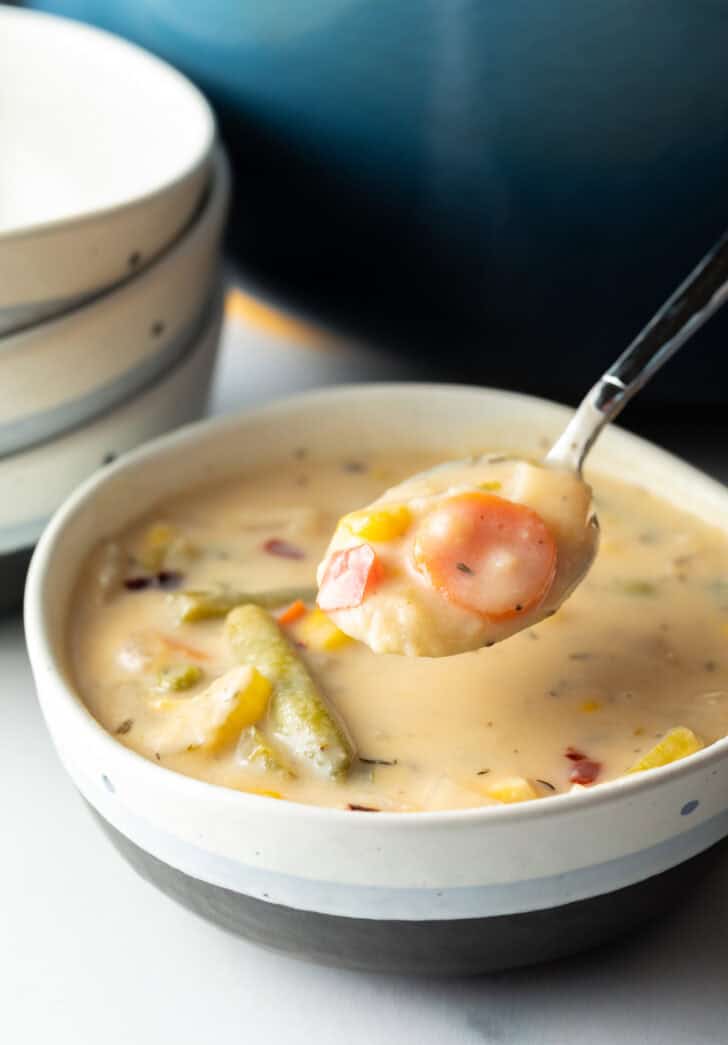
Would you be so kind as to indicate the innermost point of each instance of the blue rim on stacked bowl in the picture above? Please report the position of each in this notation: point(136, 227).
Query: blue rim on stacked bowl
point(113, 198)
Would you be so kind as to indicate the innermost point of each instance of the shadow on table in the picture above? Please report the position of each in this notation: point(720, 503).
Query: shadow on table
point(666, 983)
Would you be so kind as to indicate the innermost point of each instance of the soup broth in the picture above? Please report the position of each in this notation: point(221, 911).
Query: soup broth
point(632, 671)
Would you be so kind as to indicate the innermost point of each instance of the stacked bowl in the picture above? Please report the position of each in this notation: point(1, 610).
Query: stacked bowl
point(113, 197)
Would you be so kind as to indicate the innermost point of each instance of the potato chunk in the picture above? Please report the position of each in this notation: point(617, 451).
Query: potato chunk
point(216, 716)
point(512, 789)
point(676, 744)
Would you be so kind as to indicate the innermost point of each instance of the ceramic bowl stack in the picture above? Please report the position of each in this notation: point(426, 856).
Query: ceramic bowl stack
point(113, 197)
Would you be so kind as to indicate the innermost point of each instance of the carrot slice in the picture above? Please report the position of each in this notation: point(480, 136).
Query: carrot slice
point(350, 576)
point(182, 647)
point(489, 555)
point(293, 612)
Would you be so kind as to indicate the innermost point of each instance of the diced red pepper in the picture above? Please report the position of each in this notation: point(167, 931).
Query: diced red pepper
point(350, 576)
point(284, 549)
point(574, 755)
point(585, 772)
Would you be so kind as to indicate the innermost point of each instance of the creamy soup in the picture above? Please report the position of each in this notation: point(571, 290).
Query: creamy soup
point(196, 642)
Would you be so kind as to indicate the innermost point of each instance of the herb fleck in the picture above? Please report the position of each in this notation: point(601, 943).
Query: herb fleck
point(283, 549)
point(464, 568)
point(169, 579)
point(354, 467)
point(137, 583)
point(546, 783)
point(482, 772)
point(124, 727)
point(361, 809)
point(378, 761)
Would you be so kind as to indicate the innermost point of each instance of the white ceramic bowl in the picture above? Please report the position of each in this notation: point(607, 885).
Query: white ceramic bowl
point(105, 156)
point(59, 374)
point(34, 483)
point(433, 892)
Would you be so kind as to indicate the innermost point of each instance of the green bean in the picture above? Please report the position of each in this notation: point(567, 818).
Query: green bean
point(298, 714)
point(256, 751)
point(208, 603)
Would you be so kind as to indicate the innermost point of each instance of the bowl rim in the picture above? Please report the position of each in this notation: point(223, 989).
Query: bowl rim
point(195, 96)
point(44, 661)
point(215, 200)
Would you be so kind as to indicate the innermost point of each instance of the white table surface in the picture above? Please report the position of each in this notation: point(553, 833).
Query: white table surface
point(92, 955)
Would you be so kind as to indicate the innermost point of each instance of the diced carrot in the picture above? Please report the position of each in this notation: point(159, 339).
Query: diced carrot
point(182, 647)
point(489, 555)
point(351, 574)
point(292, 613)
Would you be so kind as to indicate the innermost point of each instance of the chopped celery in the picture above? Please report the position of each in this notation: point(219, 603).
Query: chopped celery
point(175, 677)
point(256, 751)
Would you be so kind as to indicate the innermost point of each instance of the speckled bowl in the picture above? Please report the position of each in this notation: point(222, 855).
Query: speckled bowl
point(62, 373)
point(442, 892)
point(106, 154)
point(35, 482)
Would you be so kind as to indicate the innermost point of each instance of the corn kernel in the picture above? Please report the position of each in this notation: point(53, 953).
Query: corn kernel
point(318, 632)
point(676, 744)
point(155, 542)
point(379, 524)
point(512, 789)
point(491, 486)
point(163, 545)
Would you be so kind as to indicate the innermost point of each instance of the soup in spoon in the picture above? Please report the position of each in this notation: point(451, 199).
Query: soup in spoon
point(459, 557)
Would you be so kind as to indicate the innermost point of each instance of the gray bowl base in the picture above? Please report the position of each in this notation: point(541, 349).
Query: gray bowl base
point(431, 948)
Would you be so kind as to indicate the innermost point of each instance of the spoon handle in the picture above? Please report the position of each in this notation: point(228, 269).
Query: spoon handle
point(692, 304)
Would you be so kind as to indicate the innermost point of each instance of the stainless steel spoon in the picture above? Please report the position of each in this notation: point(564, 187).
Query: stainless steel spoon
point(692, 304)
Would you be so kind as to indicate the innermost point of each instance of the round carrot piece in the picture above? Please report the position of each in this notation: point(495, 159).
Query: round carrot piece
point(489, 555)
point(349, 576)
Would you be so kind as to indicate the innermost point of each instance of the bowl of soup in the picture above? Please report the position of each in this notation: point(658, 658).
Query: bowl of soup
point(433, 815)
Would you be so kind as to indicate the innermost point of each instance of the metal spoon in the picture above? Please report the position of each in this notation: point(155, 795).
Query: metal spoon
point(692, 304)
